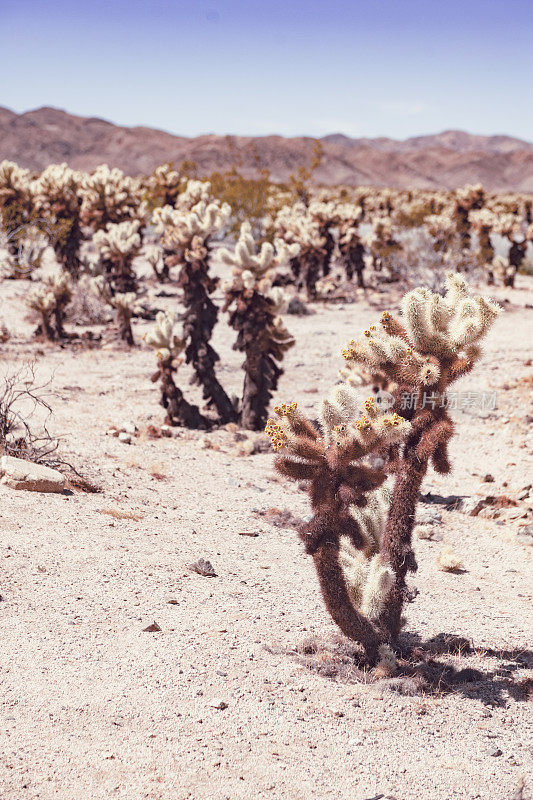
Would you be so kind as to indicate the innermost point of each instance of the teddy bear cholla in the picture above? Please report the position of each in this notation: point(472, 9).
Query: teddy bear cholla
point(255, 305)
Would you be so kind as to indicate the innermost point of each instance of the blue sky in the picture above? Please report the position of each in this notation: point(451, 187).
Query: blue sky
point(381, 67)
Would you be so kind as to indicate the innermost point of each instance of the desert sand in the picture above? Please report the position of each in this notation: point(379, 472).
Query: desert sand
point(247, 690)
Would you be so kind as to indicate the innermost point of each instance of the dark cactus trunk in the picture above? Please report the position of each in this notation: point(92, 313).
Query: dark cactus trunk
point(198, 323)
point(179, 411)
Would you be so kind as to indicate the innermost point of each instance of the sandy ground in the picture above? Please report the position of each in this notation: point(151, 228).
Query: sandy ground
point(222, 703)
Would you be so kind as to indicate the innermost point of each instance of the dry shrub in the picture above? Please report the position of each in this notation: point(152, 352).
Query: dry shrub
point(80, 484)
point(86, 308)
point(281, 518)
point(24, 416)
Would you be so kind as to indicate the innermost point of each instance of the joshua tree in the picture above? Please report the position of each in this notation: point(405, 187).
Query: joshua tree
point(118, 246)
point(360, 537)
point(50, 301)
point(57, 199)
point(164, 339)
point(255, 305)
point(186, 237)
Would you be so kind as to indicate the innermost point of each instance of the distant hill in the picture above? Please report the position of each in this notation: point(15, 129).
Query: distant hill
point(445, 160)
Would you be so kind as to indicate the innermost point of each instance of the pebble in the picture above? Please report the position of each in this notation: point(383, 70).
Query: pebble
point(204, 567)
point(220, 705)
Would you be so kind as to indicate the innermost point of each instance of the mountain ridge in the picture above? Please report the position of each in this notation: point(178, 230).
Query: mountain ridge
point(445, 160)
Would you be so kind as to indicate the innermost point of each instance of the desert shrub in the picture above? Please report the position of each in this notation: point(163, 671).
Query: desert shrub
point(249, 198)
point(25, 412)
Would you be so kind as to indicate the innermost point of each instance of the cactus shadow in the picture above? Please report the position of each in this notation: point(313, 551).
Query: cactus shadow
point(444, 664)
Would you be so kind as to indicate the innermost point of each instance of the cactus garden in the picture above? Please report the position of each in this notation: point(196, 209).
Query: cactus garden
point(294, 507)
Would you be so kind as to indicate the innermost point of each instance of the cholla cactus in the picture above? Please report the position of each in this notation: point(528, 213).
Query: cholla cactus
point(164, 339)
point(295, 226)
point(483, 222)
point(50, 301)
point(468, 199)
point(325, 215)
point(352, 249)
point(16, 204)
point(442, 227)
point(360, 534)
point(512, 228)
point(255, 305)
point(186, 238)
point(118, 246)
point(383, 247)
point(344, 535)
point(109, 196)
point(57, 199)
point(434, 343)
point(154, 256)
point(164, 185)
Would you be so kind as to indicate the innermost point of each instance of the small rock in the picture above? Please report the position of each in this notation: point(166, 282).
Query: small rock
point(525, 534)
point(428, 532)
point(297, 307)
point(153, 628)
point(220, 705)
point(112, 432)
point(495, 753)
point(128, 427)
point(173, 602)
point(205, 443)
point(125, 438)
point(488, 478)
point(248, 533)
point(470, 505)
point(166, 431)
point(20, 474)
point(426, 516)
point(524, 494)
point(203, 567)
